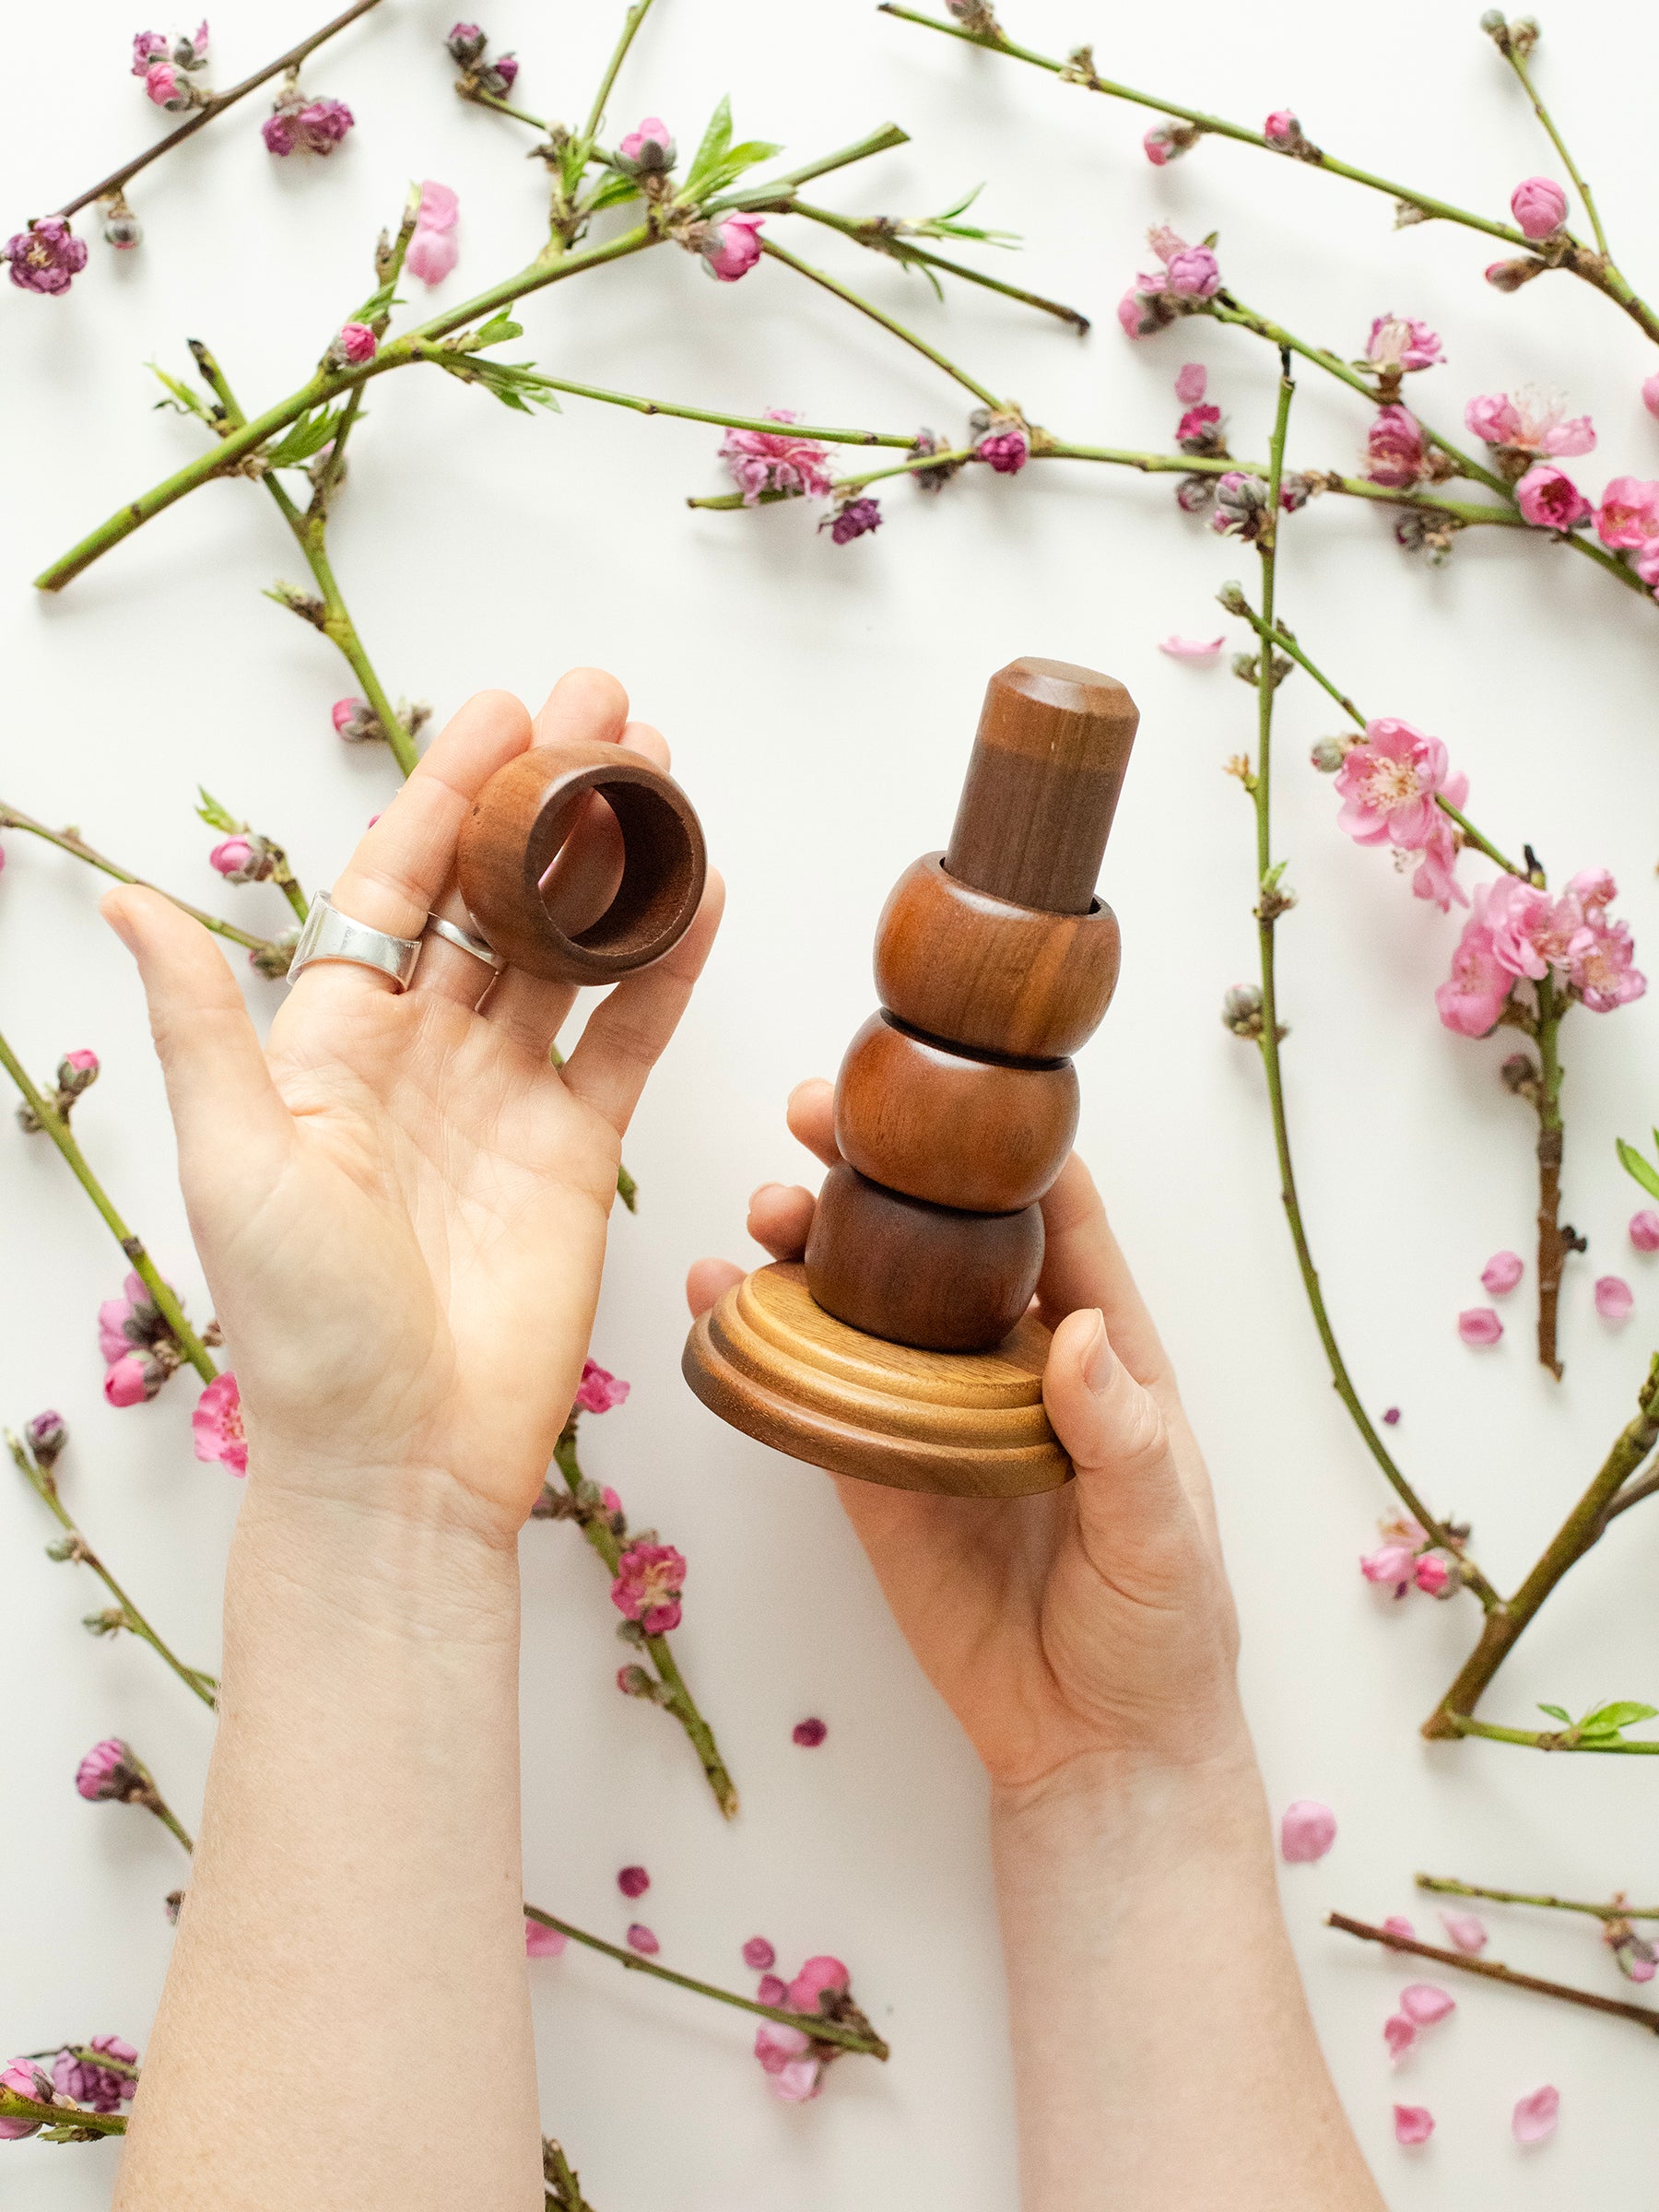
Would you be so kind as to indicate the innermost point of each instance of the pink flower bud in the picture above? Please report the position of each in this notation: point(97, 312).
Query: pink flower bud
point(1424, 2002)
point(166, 86)
point(1534, 2118)
point(24, 2078)
point(108, 1771)
point(1006, 451)
point(46, 1436)
point(639, 1939)
point(543, 1942)
point(1479, 1324)
point(355, 720)
point(1466, 1930)
point(1156, 144)
point(1438, 1574)
point(1501, 1272)
point(818, 1978)
point(1399, 2034)
point(1413, 2124)
point(809, 1734)
point(231, 856)
point(1644, 1229)
point(759, 1955)
point(1307, 1831)
point(1281, 128)
point(1193, 273)
point(354, 343)
point(132, 1379)
point(633, 1881)
point(731, 247)
point(1538, 205)
point(648, 150)
point(1614, 1297)
point(1549, 499)
point(465, 42)
point(78, 1071)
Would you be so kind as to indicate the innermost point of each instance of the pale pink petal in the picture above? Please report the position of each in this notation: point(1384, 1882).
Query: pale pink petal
point(1501, 1272)
point(432, 255)
point(1465, 1930)
point(1413, 2124)
point(1307, 1831)
point(1191, 380)
point(1426, 2002)
point(1535, 2117)
point(1397, 1925)
point(1614, 1297)
point(1399, 2034)
point(799, 2081)
point(1479, 1324)
point(1644, 1229)
point(439, 206)
point(542, 1943)
point(1192, 649)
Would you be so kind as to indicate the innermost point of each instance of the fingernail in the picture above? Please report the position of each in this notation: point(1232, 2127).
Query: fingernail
point(1099, 1360)
point(110, 907)
point(761, 1192)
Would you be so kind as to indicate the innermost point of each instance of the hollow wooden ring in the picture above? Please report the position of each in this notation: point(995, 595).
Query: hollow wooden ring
point(987, 1137)
point(981, 972)
point(517, 825)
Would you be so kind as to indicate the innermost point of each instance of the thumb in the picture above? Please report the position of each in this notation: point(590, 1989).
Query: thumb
point(1131, 1511)
point(219, 1088)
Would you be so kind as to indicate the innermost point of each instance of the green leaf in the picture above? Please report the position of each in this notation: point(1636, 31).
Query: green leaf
point(498, 330)
point(188, 400)
point(959, 206)
point(1558, 1713)
point(730, 167)
point(305, 438)
point(612, 193)
point(1607, 1720)
point(517, 385)
point(215, 815)
point(716, 139)
point(1633, 1164)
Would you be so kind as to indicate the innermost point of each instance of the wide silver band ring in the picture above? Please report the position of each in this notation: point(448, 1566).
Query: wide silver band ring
point(467, 940)
point(330, 935)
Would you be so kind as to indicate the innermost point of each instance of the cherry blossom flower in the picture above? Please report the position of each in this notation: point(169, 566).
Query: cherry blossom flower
point(1479, 1324)
point(1391, 1563)
point(1307, 1831)
point(108, 1772)
point(105, 2088)
point(24, 2078)
point(216, 1425)
point(1189, 275)
point(1396, 452)
point(731, 247)
point(598, 1390)
point(1501, 1272)
point(633, 1881)
point(1598, 952)
point(809, 1734)
point(1535, 2117)
point(1644, 1230)
point(650, 1578)
point(1192, 649)
point(543, 1942)
point(1281, 128)
point(1466, 1930)
point(305, 126)
point(1529, 421)
point(1399, 2034)
point(1475, 993)
point(1538, 205)
point(776, 461)
point(1549, 499)
point(1388, 784)
point(1423, 2003)
point(434, 248)
point(640, 1938)
point(853, 518)
point(759, 1955)
point(1629, 513)
point(353, 343)
point(1438, 1574)
point(133, 1378)
point(786, 2056)
point(1402, 342)
point(46, 256)
point(1614, 1301)
point(1413, 2124)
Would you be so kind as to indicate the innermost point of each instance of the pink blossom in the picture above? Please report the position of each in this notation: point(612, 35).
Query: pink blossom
point(1307, 1831)
point(354, 720)
point(216, 1425)
point(1598, 958)
point(1629, 513)
point(1501, 1272)
point(1399, 2034)
point(24, 2078)
point(132, 1379)
point(1530, 422)
point(639, 1939)
point(1644, 1229)
point(610, 1500)
point(822, 1976)
point(1395, 449)
point(108, 1770)
point(1199, 430)
point(809, 1734)
point(650, 1578)
point(146, 46)
point(117, 1333)
point(1402, 342)
point(46, 256)
point(1191, 648)
point(1535, 2117)
point(1388, 784)
point(1397, 1925)
point(1391, 1564)
point(1192, 380)
point(168, 86)
point(1424, 2002)
point(1650, 394)
point(543, 1942)
point(1479, 1324)
point(799, 2081)
point(1435, 875)
point(776, 461)
point(1413, 2124)
point(105, 2087)
point(794, 2071)
point(1538, 205)
point(231, 857)
point(1614, 1297)
point(1525, 927)
point(731, 247)
point(1466, 1930)
point(633, 1881)
point(759, 1955)
point(1549, 499)
point(1005, 448)
point(1281, 128)
point(1438, 1574)
point(1156, 145)
point(650, 148)
point(434, 249)
point(1193, 273)
point(354, 343)
point(599, 1390)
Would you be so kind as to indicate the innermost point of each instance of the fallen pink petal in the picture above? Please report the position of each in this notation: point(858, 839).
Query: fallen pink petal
point(1466, 1930)
point(1424, 2002)
point(1192, 649)
point(1644, 1229)
point(759, 1955)
point(1535, 2117)
point(1479, 1324)
point(1399, 2034)
point(640, 1939)
point(1614, 1297)
point(1413, 2124)
point(633, 1881)
point(809, 1734)
point(1397, 1925)
point(1501, 1272)
point(541, 1942)
point(1307, 1831)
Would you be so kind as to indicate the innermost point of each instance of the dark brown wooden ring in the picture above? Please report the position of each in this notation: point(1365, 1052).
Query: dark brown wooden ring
point(916, 1274)
point(517, 825)
point(987, 1137)
point(959, 964)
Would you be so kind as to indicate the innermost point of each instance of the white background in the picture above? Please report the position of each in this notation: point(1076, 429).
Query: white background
point(820, 703)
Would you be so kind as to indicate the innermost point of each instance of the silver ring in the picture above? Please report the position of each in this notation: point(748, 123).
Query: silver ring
point(465, 939)
point(330, 935)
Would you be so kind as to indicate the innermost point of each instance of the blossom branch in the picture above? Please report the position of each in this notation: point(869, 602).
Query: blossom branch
point(630, 25)
point(850, 2036)
point(61, 2120)
point(214, 105)
point(1643, 2016)
point(57, 1127)
point(866, 307)
point(1444, 1885)
point(881, 234)
point(1513, 52)
point(72, 842)
point(561, 2182)
point(38, 1473)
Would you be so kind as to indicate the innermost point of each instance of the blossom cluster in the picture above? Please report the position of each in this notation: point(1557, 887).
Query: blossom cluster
point(139, 1348)
point(169, 67)
point(794, 2062)
point(1518, 932)
point(100, 2077)
point(1408, 1558)
point(1186, 278)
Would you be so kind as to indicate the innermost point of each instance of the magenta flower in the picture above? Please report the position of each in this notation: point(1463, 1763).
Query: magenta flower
point(1392, 1562)
point(1194, 273)
point(354, 720)
point(46, 256)
point(759, 1955)
point(105, 2088)
point(353, 343)
point(1645, 1233)
point(1396, 452)
point(809, 1734)
point(639, 1939)
point(1192, 380)
point(1307, 1831)
point(1530, 422)
point(647, 151)
point(1534, 2118)
point(1538, 205)
point(853, 518)
point(1413, 2124)
point(776, 461)
point(133, 1378)
point(1614, 1301)
point(1388, 784)
point(598, 1390)
point(148, 46)
point(1191, 648)
point(650, 1580)
point(731, 247)
point(231, 858)
point(1501, 1272)
point(1006, 449)
point(1402, 342)
point(1438, 1574)
point(1199, 430)
point(543, 1942)
point(1549, 499)
point(1466, 1930)
point(465, 42)
point(1479, 1324)
point(633, 1881)
point(1399, 2034)
point(306, 126)
point(25, 2079)
point(1475, 993)
point(216, 1425)
point(434, 249)
point(48, 1432)
point(1424, 2002)
point(1629, 513)
point(109, 1771)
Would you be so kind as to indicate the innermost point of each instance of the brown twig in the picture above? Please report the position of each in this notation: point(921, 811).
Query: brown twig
point(1489, 1969)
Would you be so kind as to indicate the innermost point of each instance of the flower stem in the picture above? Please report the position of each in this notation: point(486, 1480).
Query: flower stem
point(816, 2025)
point(1444, 1885)
point(562, 2183)
point(53, 2116)
point(1517, 62)
point(725, 419)
point(1508, 1618)
point(57, 1129)
point(1490, 1969)
point(882, 140)
point(866, 307)
point(676, 1698)
point(631, 23)
point(880, 235)
point(41, 1482)
point(1554, 1242)
point(217, 105)
point(70, 842)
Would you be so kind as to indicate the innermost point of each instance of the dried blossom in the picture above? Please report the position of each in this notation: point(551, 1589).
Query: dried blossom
point(809, 1734)
point(1396, 450)
point(298, 125)
point(933, 479)
point(777, 461)
point(106, 2088)
point(853, 518)
point(46, 256)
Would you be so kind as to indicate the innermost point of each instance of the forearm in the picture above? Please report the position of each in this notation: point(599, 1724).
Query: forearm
point(1163, 2052)
point(346, 2024)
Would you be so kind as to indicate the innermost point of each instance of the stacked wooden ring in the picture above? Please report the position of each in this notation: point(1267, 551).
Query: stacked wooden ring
point(957, 1104)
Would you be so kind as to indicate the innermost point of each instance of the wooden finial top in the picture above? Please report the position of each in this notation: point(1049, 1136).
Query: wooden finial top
point(1048, 764)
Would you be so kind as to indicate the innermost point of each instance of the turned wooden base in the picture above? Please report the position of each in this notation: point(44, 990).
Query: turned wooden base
point(770, 1361)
